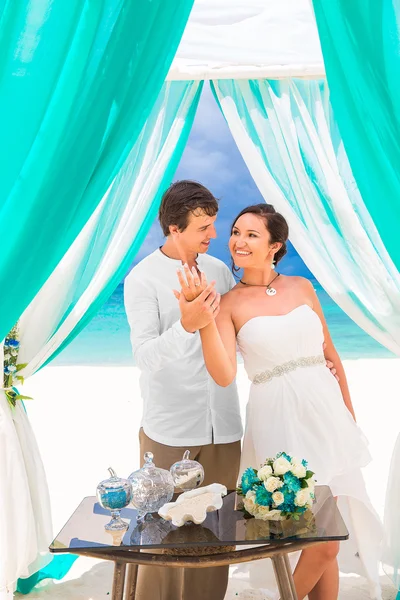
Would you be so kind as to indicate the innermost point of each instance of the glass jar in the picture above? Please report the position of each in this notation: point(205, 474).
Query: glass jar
point(114, 494)
point(187, 474)
point(151, 487)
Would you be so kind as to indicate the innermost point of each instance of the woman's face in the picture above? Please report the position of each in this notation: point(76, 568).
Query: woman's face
point(249, 243)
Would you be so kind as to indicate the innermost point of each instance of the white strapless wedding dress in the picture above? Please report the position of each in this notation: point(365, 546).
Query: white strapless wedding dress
point(296, 406)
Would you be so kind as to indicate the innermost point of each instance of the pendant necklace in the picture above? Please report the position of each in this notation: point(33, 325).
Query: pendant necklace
point(270, 291)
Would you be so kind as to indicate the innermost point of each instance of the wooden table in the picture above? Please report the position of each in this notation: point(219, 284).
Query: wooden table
point(222, 539)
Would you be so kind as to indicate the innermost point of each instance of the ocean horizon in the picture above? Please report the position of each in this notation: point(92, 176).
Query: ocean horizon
point(106, 339)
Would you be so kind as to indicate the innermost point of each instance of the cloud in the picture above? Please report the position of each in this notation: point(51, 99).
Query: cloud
point(211, 157)
point(209, 166)
point(153, 240)
point(210, 124)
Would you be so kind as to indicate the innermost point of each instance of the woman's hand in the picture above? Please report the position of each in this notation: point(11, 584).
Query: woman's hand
point(191, 283)
point(201, 311)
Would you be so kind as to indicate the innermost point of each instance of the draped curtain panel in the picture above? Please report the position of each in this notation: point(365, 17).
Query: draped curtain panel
point(82, 281)
point(391, 550)
point(103, 252)
point(290, 142)
point(25, 517)
point(77, 82)
point(360, 45)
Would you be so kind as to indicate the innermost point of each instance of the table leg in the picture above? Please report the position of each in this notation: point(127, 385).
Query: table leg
point(118, 581)
point(283, 575)
point(290, 576)
point(130, 587)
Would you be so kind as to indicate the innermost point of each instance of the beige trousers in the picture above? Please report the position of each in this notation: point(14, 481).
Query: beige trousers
point(221, 465)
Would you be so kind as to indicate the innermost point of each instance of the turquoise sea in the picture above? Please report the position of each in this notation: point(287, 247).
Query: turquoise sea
point(105, 341)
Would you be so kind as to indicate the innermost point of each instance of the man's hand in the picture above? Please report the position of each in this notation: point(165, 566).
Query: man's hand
point(331, 366)
point(332, 369)
point(200, 312)
point(191, 283)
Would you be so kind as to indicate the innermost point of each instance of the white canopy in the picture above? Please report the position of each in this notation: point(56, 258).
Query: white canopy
point(249, 39)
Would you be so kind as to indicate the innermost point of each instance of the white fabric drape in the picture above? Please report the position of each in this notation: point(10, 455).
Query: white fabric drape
point(249, 39)
point(25, 518)
point(95, 260)
point(391, 552)
point(287, 137)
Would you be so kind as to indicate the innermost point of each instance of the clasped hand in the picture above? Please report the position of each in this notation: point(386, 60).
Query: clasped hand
point(199, 301)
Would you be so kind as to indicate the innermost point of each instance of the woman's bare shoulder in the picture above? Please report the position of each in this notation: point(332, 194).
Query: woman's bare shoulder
point(296, 281)
point(228, 299)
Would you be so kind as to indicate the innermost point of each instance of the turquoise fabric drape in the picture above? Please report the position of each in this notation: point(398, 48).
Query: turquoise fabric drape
point(77, 82)
point(288, 137)
point(57, 569)
point(360, 41)
point(180, 88)
point(103, 251)
point(178, 100)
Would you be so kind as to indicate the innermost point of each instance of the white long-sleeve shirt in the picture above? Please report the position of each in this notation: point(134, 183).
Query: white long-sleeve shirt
point(182, 406)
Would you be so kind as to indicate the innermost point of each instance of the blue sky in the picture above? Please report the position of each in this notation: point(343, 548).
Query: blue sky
point(212, 158)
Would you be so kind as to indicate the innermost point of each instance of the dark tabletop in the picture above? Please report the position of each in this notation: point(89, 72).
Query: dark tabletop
point(225, 527)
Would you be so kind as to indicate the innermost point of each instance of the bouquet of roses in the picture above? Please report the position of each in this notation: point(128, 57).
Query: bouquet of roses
point(282, 488)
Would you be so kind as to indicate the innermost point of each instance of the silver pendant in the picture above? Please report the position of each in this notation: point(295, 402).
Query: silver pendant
point(270, 291)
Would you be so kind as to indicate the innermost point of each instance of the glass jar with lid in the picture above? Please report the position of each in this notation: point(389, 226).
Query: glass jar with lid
point(152, 487)
point(114, 494)
point(187, 474)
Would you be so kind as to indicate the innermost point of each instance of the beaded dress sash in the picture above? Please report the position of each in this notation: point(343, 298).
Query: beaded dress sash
point(292, 365)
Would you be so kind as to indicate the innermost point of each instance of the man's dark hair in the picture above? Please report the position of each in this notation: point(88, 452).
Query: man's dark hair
point(183, 198)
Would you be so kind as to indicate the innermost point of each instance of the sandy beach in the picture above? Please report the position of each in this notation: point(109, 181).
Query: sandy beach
point(87, 419)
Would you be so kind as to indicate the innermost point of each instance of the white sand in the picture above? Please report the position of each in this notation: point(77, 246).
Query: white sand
point(87, 419)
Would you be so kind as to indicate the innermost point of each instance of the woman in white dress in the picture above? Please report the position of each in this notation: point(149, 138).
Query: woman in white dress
point(295, 403)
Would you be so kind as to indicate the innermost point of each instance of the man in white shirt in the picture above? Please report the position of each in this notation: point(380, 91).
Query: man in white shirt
point(182, 407)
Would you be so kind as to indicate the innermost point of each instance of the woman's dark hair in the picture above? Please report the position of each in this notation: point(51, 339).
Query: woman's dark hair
point(275, 223)
point(181, 199)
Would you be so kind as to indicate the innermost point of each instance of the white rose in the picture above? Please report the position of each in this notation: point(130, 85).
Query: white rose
point(311, 484)
point(264, 472)
point(278, 498)
point(274, 515)
point(281, 466)
point(302, 497)
point(272, 484)
point(250, 502)
point(298, 470)
point(261, 512)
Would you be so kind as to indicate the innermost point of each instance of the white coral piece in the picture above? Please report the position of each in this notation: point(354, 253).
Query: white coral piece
point(194, 505)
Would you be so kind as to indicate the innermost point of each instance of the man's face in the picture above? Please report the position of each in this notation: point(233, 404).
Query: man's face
point(197, 235)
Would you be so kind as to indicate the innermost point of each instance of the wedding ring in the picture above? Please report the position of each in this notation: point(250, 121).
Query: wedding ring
point(197, 284)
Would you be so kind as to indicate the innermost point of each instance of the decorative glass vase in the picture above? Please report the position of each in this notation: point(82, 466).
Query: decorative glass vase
point(114, 494)
point(151, 487)
point(187, 474)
